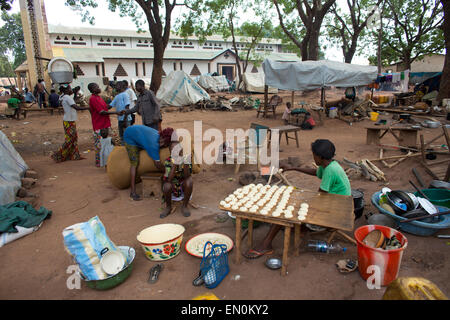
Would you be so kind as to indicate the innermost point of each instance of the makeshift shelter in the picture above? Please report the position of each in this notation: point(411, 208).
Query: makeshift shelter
point(12, 170)
point(254, 82)
point(310, 75)
point(179, 89)
point(214, 83)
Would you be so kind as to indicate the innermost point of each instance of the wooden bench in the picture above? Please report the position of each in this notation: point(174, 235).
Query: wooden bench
point(24, 111)
point(407, 136)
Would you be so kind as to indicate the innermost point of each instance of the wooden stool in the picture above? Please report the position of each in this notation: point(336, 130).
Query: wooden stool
point(151, 185)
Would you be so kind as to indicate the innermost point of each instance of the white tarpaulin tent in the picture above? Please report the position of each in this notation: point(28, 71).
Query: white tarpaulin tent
point(12, 170)
point(309, 75)
point(215, 83)
point(255, 83)
point(179, 89)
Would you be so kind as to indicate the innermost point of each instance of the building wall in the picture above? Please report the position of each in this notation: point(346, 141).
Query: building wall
point(433, 63)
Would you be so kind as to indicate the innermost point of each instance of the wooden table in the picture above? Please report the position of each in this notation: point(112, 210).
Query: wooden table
point(327, 210)
point(407, 136)
point(285, 129)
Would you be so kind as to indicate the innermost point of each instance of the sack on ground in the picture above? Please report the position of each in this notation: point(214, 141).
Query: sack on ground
point(84, 242)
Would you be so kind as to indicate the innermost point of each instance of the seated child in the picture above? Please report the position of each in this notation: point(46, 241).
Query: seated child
point(177, 180)
point(106, 147)
point(286, 113)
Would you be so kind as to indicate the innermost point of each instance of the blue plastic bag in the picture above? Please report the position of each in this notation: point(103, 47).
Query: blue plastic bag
point(214, 265)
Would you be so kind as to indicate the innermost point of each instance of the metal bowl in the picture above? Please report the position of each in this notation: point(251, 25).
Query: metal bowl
point(431, 124)
point(273, 263)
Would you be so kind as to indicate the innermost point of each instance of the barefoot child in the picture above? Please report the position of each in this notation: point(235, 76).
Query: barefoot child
point(106, 146)
point(177, 180)
point(286, 113)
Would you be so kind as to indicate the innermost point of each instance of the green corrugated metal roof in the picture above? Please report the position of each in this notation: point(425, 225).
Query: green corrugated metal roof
point(99, 54)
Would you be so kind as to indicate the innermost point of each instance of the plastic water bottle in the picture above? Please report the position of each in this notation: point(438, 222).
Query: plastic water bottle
point(323, 246)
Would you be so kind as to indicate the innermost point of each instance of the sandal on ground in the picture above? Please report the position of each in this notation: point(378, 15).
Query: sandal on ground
point(154, 273)
point(165, 212)
point(185, 212)
point(254, 254)
point(199, 281)
point(135, 197)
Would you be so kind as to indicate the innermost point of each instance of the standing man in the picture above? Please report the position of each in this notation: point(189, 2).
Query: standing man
point(147, 106)
point(133, 100)
point(100, 118)
point(121, 102)
point(40, 91)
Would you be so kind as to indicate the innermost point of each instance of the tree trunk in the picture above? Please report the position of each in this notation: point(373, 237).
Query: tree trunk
point(351, 51)
point(313, 44)
point(444, 89)
point(157, 72)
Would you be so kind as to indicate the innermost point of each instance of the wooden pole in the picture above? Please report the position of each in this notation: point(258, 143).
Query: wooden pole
point(292, 98)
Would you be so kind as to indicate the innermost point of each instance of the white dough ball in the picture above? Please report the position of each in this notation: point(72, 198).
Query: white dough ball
point(264, 212)
point(276, 214)
point(227, 205)
point(301, 218)
point(235, 207)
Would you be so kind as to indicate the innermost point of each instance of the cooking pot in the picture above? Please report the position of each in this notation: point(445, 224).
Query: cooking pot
point(112, 262)
point(358, 202)
point(381, 220)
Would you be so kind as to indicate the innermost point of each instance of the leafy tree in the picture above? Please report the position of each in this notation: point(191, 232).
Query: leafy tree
point(12, 42)
point(411, 30)
point(301, 21)
point(345, 29)
point(6, 69)
point(159, 17)
point(223, 17)
point(444, 90)
point(5, 5)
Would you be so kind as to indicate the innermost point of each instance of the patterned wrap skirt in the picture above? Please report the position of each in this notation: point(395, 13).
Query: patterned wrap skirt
point(69, 150)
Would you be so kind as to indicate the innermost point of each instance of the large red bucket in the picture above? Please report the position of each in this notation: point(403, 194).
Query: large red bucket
point(374, 260)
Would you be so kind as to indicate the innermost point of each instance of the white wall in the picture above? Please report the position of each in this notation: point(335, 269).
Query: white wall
point(434, 63)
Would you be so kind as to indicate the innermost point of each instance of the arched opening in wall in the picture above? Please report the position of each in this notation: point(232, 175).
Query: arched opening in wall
point(120, 71)
point(254, 70)
point(195, 71)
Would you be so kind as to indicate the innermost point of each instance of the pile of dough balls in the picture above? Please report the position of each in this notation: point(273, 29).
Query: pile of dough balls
point(303, 211)
point(259, 198)
point(245, 199)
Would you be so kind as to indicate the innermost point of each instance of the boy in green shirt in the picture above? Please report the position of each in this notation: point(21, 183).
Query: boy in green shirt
point(334, 180)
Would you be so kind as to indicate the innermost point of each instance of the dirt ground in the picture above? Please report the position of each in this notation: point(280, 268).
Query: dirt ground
point(34, 267)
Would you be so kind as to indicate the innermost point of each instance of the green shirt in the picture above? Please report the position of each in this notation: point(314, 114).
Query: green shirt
point(334, 179)
point(13, 103)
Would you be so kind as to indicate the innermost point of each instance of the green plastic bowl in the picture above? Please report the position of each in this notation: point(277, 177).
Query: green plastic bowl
point(439, 197)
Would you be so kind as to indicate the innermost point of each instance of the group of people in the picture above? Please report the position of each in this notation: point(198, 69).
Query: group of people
point(149, 136)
